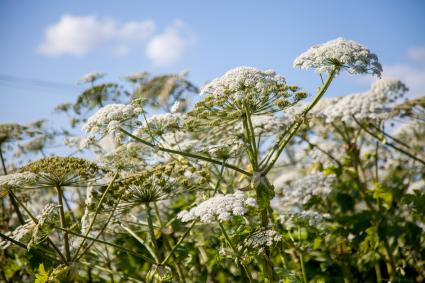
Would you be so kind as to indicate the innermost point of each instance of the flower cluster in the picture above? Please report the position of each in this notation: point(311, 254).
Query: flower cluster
point(339, 53)
point(17, 180)
point(110, 118)
point(62, 171)
point(36, 229)
point(241, 90)
point(162, 181)
point(302, 190)
point(91, 77)
point(160, 124)
point(9, 132)
point(261, 238)
point(228, 148)
point(218, 208)
point(293, 197)
point(372, 105)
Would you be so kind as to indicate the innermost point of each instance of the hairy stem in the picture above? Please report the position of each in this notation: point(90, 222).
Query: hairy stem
point(63, 222)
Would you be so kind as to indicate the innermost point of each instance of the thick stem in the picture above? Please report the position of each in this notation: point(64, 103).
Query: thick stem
point(63, 222)
point(303, 268)
point(152, 232)
point(378, 273)
point(281, 144)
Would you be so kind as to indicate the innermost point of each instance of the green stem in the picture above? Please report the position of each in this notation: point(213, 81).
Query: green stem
point(109, 244)
point(178, 243)
point(303, 268)
point(391, 259)
point(35, 220)
point(63, 223)
point(152, 232)
point(187, 154)
point(102, 199)
point(141, 241)
point(220, 177)
point(12, 199)
point(389, 144)
point(245, 269)
point(297, 124)
point(378, 273)
point(102, 229)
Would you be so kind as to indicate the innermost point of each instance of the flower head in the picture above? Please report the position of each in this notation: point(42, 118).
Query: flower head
point(62, 171)
point(10, 132)
point(218, 208)
point(16, 180)
point(375, 104)
point(91, 77)
point(110, 118)
point(339, 53)
point(261, 238)
point(241, 90)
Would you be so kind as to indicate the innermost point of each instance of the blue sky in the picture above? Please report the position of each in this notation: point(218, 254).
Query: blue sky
point(59, 41)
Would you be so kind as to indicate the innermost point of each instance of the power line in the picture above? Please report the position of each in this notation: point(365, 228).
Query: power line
point(13, 81)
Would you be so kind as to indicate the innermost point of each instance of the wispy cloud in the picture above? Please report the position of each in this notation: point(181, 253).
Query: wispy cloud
point(80, 35)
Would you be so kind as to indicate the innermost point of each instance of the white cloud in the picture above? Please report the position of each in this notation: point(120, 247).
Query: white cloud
point(417, 54)
point(78, 35)
point(168, 47)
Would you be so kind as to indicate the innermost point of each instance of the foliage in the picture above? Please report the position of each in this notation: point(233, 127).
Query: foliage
point(250, 184)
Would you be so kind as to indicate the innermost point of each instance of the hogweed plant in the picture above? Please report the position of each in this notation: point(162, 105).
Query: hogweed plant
point(248, 184)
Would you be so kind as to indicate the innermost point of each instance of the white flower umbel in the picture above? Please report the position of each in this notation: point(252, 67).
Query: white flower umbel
point(241, 90)
point(376, 104)
point(228, 148)
point(302, 190)
point(91, 77)
point(291, 199)
point(110, 118)
point(218, 208)
point(340, 53)
point(261, 238)
point(160, 124)
point(17, 234)
point(17, 180)
point(31, 228)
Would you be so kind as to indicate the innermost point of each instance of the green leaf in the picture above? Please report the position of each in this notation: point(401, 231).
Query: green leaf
point(42, 276)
